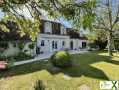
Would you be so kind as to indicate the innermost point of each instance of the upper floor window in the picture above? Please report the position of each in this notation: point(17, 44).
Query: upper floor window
point(55, 28)
point(42, 43)
point(48, 27)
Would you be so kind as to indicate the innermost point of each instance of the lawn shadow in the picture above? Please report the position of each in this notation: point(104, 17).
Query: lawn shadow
point(81, 66)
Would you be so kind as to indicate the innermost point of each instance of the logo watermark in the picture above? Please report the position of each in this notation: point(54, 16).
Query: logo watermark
point(113, 85)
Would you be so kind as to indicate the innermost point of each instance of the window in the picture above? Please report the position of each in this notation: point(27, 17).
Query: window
point(55, 28)
point(42, 43)
point(48, 27)
point(55, 45)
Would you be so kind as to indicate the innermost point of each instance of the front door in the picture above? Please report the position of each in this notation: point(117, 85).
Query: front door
point(83, 44)
point(71, 45)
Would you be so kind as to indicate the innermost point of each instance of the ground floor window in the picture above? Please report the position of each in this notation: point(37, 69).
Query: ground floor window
point(71, 45)
point(63, 43)
point(54, 44)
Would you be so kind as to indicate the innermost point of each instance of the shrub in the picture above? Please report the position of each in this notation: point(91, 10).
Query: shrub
point(22, 56)
point(61, 59)
point(14, 44)
point(101, 44)
point(21, 45)
point(31, 46)
point(10, 62)
point(4, 45)
point(3, 58)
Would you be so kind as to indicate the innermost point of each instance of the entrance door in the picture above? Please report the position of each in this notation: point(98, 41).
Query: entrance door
point(71, 45)
point(83, 44)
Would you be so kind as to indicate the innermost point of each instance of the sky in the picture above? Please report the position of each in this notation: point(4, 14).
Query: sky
point(65, 22)
point(1, 14)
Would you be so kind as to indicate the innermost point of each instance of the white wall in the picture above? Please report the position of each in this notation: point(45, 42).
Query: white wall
point(48, 42)
point(11, 51)
point(77, 43)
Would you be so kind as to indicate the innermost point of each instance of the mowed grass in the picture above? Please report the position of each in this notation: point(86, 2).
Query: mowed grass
point(88, 69)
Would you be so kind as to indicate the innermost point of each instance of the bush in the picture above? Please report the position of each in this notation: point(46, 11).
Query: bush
point(3, 58)
point(10, 62)
point(31, 46)
point(21, 45)
point(101, 44)
point(22, 56)
point(61, 59)
point(4, 45)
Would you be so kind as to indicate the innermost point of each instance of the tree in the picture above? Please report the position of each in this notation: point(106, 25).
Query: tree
point(31, 47)
point(81, 13)
point(107, 18)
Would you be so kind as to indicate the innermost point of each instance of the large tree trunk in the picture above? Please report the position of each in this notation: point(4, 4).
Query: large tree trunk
point(110, 43)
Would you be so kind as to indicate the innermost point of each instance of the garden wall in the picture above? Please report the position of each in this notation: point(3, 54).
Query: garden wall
point(13, 49)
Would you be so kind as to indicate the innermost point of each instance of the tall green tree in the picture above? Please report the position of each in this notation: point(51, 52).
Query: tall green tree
point(107, 19)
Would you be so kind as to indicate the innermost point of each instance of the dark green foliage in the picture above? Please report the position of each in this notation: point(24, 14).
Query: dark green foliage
point(19, 1)
point(21, 45)
point(39, 85)
point(22, 56)
point(10, 62)
point(31, 46)
point(4, 45)
point(116, 44)
point(3, 58)
point(101, 44)
point(25, 50)
point(14, 44)
point(61, 59)
point(98, 44)
point(92, 45)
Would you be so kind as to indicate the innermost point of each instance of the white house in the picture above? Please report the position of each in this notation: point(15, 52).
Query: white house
point(54, 36)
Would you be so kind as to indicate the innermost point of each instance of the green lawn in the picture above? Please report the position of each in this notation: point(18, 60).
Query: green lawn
point(89, 69)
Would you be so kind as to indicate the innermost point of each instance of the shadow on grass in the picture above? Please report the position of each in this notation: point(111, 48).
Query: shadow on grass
point(82, 66)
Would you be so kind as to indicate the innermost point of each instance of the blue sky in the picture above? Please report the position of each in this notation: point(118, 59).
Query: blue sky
point(65, 22)
point(1, 14)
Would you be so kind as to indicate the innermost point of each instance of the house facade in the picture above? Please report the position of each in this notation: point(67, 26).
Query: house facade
point(54, 37)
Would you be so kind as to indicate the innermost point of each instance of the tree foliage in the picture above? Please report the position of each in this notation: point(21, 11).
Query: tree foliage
point(107, 19)
point(80, 13)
